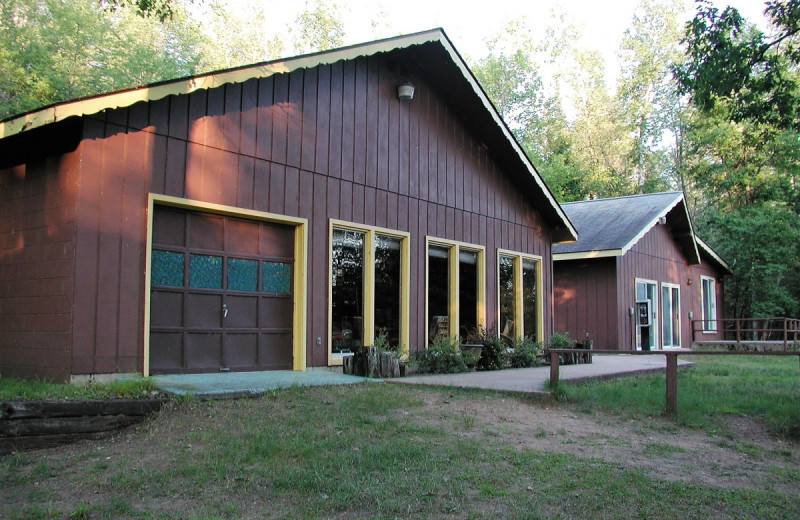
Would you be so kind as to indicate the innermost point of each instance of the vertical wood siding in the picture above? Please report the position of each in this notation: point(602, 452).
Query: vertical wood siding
point(329, 142)
point(37, 251)
point(585, 296)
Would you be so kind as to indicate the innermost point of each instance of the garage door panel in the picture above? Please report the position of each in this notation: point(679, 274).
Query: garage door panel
point(203, 310)
point(275, 313)
point(275, 350)
point(277, 241)
point(203, 350)
point(166, 309)
point(206, 232)
point(242, 237)
point(241, 350)
point(242, 312)
point(166, 351)
point(169, 227)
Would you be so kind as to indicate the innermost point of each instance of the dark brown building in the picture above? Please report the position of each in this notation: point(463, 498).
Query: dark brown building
point(271, 216)
point(638, 276)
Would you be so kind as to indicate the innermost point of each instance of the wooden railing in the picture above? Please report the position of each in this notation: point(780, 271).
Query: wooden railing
point(750, 330)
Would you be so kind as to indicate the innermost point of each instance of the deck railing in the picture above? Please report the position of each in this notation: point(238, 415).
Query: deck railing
point(750, 330)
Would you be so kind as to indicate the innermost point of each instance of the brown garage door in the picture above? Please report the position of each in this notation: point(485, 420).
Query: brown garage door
point(221, 293)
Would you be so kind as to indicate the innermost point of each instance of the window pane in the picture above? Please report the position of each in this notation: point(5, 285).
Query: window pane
point(529, 298)
point(676, 317)
point(242, 274)
point(276, 277)
point(347, 290)
point(666, 334)
point(467, 291)
point(438, 287)
point(205, 271)
point(387, 287)
point(506, 292)
point(166, 268)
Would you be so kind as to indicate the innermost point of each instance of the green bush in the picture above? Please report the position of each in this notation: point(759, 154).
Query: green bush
point(526, 353)
point(559, 340)
point(493, 350)
point(443, 356)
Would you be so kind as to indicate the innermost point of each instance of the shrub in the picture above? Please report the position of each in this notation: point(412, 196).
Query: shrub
point(493, 351)
point(559, 340)
point(526, 353)
point(443, 356)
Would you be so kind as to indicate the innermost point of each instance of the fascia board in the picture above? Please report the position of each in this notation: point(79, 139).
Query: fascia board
point(582, 255)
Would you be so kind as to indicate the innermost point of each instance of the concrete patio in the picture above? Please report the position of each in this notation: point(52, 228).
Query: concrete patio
point(527, 380)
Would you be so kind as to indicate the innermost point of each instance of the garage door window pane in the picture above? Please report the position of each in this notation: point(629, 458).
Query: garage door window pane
point(242, 274)
point(205, 271)
point(167, 269)
point(276, 277)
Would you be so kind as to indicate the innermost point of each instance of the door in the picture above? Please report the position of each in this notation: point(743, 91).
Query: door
point(670, 315)
point(647, 290)
point(220, 293)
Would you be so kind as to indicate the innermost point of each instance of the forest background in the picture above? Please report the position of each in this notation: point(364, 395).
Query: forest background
point(710, 107)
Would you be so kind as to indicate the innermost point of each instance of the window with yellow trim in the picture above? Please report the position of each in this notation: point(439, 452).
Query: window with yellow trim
point(368, 287)
point(455, 304)
point(519, 295)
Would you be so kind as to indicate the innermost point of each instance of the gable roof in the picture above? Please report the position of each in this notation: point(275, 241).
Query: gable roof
point(430, 53)
point(611, 227)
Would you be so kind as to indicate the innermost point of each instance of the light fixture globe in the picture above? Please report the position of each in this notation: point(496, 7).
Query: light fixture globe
point(405, 91)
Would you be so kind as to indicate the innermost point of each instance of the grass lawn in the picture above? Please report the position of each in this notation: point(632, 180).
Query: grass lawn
point(394, 451)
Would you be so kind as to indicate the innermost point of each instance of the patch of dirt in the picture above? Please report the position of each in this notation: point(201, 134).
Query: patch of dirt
point(744, 455)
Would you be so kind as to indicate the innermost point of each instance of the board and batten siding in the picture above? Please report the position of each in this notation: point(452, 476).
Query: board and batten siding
point(37, 248)
point(328, 142)
point(655, 257)
point(585, 290)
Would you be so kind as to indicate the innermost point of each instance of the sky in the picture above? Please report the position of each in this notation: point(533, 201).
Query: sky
point(469, 23)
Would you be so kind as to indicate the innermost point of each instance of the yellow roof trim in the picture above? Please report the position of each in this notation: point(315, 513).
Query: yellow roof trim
point(580, 255)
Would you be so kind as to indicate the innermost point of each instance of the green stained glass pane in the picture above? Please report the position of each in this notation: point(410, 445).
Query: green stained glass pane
point(205, 271)
point(242, 274)
point(167, 268)
point(276, 277)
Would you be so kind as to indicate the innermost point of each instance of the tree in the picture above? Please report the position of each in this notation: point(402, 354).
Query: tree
point(730, 59)
point(649, 102)
point(509, 75)
point(55, 51)
point(320, 28)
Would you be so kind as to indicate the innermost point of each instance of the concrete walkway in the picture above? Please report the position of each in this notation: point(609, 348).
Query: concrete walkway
point(533, 380)
point(244, 384)
point(529, 380)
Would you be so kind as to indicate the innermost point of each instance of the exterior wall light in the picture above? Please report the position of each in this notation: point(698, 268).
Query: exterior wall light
point(405, 91)
point(662, 220)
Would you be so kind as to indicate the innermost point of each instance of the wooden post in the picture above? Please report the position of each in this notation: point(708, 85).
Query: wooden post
point(672, 383)
point(553, 368)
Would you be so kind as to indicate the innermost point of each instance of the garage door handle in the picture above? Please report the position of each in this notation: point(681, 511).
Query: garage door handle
point(224, 310)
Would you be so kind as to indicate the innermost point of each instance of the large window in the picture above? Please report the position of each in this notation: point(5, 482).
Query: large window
point(670, 315)
point(709, 304)
point(455, 288)
point(519, 295)
point(368, 288)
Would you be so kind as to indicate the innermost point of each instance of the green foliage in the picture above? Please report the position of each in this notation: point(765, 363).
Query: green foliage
point(443, 356)
point(559, 340)
point(493, 350)
point(729, 59)
point(12, 389)
point(525, 353)
point(55, 51)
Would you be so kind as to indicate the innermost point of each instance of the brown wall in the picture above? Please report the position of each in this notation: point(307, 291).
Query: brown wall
point(595, 294)
point(37, 246)
point(329, 142)
point(585, 298)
